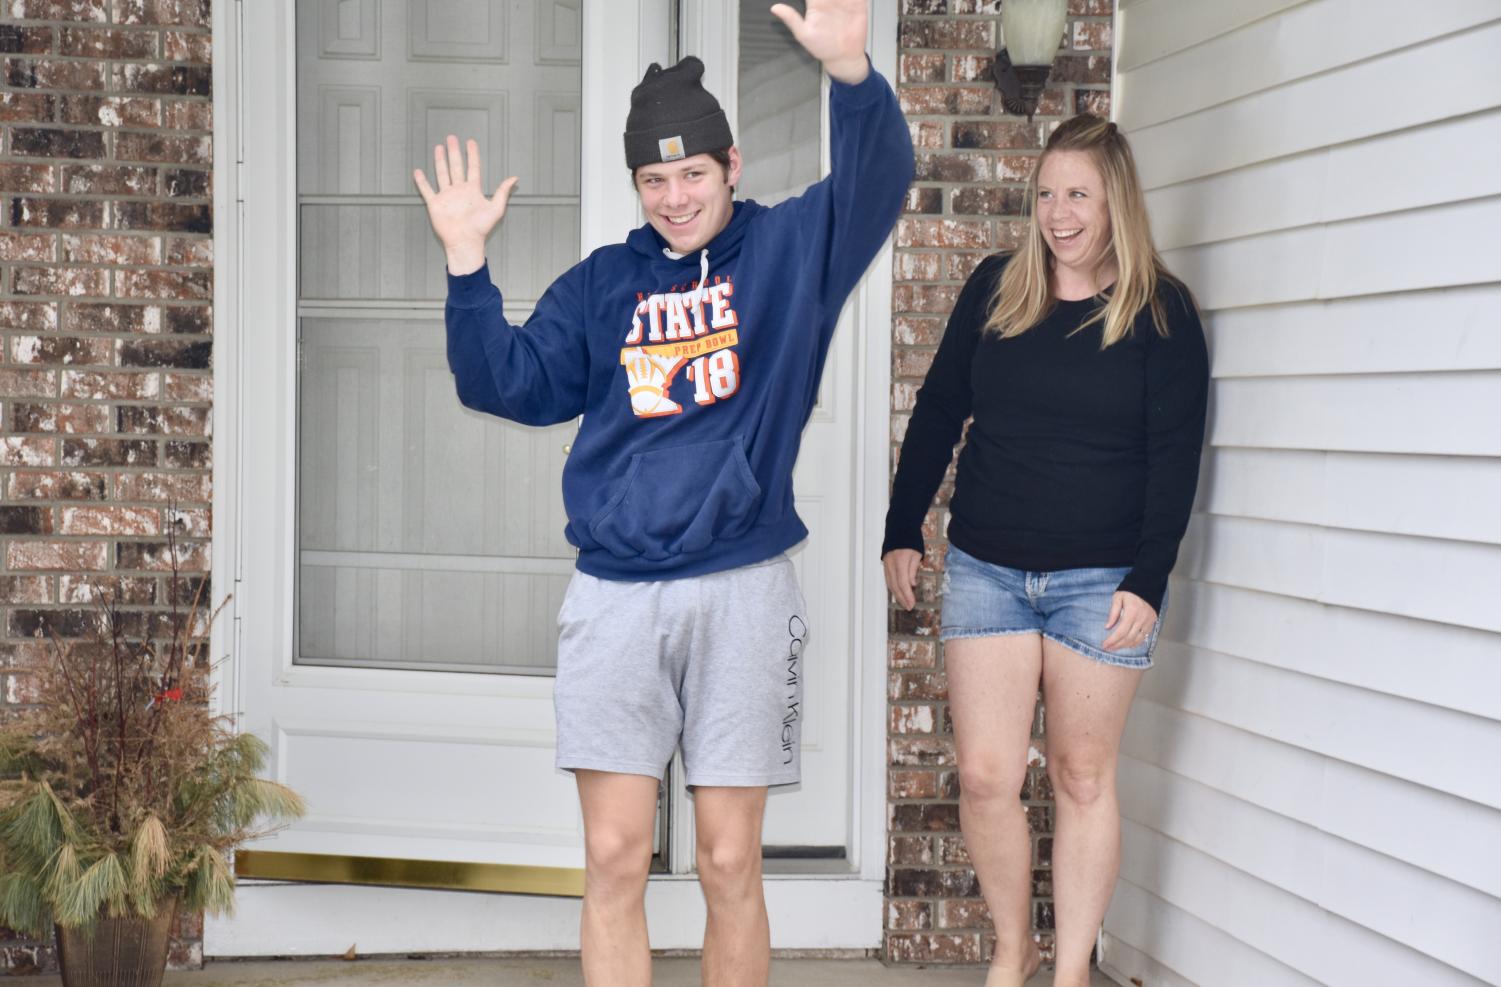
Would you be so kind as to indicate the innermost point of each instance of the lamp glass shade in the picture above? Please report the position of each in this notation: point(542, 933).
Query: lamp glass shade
point(1033, 29)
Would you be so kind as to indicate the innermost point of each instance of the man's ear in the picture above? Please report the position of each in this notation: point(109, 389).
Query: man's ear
point(732, 178)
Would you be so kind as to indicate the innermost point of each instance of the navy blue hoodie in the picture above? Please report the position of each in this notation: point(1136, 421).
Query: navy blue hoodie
point(694, 390)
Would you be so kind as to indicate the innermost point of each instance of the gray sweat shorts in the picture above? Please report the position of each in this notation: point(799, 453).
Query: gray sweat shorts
point(715, 661)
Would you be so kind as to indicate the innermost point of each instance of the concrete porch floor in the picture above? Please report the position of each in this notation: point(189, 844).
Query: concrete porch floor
point(527, 972)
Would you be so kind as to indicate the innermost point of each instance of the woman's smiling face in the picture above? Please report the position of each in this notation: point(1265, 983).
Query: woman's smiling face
point(1072, 211)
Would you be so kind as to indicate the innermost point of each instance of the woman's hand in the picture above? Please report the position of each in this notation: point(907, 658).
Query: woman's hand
point(461, 215)
point(1132, 618)
point(832, 31)
point(901, 575)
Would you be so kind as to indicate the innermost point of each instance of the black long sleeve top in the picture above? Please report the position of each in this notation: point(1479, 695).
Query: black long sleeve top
point(1076, 456)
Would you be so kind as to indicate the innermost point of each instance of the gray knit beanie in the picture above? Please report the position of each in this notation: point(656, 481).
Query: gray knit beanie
point(672, 116)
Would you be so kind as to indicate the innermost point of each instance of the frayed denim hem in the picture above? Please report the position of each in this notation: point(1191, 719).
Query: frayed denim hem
point(1104, 657)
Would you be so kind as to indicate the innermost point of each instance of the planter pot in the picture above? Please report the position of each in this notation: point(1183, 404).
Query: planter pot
point(117, 952)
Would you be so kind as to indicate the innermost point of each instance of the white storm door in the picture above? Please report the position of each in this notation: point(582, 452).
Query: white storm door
point(776, 98)
point(400, 560)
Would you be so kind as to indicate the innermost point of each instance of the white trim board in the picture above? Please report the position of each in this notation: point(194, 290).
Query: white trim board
point(324, 919)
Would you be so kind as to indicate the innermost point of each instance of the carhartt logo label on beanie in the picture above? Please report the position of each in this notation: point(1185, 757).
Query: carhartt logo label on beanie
point(673, 116)
point(671, 148)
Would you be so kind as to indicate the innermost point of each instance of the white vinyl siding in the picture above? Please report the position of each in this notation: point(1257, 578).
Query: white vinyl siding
point(1309, 782)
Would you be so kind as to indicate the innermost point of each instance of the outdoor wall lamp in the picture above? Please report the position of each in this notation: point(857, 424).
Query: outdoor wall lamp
point(1031, 31)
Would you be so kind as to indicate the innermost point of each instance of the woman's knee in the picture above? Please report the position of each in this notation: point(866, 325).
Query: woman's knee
point(1082, 780)
point(990, 777)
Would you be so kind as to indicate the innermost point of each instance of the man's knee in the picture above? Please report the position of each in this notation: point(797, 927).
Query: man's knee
point(617, 860)
point(729, 865)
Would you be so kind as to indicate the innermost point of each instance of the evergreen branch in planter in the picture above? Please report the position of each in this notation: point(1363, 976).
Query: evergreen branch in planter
point(120, 791)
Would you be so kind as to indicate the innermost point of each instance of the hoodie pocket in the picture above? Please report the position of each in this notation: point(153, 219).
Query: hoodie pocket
point(678, 501)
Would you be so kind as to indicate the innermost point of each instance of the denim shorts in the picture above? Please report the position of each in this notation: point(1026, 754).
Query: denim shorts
point(1069, 606)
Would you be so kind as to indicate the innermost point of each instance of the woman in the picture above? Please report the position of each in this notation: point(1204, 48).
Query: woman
point(1082, 362)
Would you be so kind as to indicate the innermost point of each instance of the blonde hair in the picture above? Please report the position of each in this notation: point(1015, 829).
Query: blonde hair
point(1023, 298)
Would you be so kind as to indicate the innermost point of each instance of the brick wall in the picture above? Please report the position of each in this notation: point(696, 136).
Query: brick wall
point(973, 160)
point(105, 288)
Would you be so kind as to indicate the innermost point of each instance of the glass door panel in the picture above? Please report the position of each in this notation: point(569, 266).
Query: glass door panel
point(429, 536)
point(780, 108)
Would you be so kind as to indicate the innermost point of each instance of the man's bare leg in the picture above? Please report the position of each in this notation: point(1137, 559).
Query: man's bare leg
point(737, 940)
point(619, 810)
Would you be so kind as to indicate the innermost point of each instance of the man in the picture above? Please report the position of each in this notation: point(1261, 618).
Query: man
point(693, 352)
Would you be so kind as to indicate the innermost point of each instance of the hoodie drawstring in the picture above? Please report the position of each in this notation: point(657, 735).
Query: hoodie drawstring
point(700, 294)
point(703, 279)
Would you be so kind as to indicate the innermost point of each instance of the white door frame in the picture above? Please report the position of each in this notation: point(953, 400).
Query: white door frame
point(830, 911)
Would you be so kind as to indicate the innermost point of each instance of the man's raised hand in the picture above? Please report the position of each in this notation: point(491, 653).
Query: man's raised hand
point(461, 215)
point(834, 32)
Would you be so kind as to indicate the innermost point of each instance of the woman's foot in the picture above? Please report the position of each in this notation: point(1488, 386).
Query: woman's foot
point(1007, 974)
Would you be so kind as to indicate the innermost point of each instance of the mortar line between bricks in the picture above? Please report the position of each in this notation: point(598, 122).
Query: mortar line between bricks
point(71, 57)
point(164, 132)
point(125, 163)
point(126, 197)
point(131, 269)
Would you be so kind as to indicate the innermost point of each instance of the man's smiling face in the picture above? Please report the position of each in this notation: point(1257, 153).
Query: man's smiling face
point(689, 201)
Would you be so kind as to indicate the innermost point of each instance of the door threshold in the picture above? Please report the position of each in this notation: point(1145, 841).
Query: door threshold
point(441, 875)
